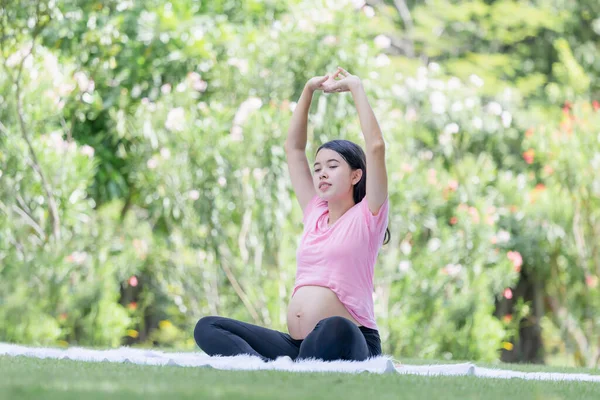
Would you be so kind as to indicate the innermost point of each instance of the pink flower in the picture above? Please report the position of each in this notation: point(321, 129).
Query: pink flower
point(591, 281)
point(508, 294)
point(516, 259)
point(133, 281)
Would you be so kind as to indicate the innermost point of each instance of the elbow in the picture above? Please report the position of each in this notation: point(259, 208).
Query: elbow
point(377, 146)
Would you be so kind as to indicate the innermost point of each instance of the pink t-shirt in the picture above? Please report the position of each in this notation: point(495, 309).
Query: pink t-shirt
point(342, 257)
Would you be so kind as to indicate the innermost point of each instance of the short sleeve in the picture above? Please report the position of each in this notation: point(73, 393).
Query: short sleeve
point(315, 203)
point(377, 224)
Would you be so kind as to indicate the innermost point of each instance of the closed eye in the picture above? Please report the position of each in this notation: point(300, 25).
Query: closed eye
point(331, 167)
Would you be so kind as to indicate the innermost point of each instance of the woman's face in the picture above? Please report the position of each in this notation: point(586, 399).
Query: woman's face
point(333, 178)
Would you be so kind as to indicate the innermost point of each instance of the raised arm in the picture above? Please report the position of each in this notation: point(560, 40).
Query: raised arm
point(295, 144)
point(377, 182)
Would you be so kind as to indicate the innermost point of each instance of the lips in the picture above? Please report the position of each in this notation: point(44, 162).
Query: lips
point(324, 185)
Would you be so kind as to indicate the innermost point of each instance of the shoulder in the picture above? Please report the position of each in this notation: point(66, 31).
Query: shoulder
point(378, 222)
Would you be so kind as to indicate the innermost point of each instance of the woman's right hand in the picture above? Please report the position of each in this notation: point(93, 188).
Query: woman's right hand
point(320, 82)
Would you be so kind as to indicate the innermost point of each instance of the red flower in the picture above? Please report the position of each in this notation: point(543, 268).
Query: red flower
point(453, 221)
point(596, 105)
point(132, 306)
point(507, 318)
point(528, 156)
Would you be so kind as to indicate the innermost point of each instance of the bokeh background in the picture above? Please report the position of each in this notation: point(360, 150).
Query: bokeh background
point(143, 181)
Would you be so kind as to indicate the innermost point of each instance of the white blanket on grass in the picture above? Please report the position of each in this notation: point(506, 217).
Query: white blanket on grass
point(380, 365)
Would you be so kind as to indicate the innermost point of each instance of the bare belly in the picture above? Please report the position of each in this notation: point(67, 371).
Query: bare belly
point(311, 304)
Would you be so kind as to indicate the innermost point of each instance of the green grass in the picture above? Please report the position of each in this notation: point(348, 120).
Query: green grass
point(513, 367)
point(31, 378)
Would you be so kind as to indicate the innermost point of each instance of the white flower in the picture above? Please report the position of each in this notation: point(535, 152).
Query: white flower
point(436, 84)
point(329, 40)
point(438, 102)
point(404, 266)
point(85, 84)
point(434, 67)
point(453, 269)
point(445, 139)
point(241, 64)
point(494, 108)
point(200, 85)
point(175, 120)
point(152, 163)
point(194, 194)
point(454, 83)
point(421, 84)
point(398, 90)
point(506, 119)
point(369, 12)
point(477, 123)
point(476, 80)
point(222, 181)
point(87, 150)
point(383, 42)
point(470, 102)
point(236, 133)
point(434, 244)
point(166, 88)
point(246, 108)
point(382, 60)
point(422, 72)
point(165, 153)
point(503, 236)
point(451, 128)
point(456, 106)
point(405, 247)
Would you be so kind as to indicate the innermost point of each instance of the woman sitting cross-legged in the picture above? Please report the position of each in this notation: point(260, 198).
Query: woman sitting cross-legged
point(345, 215)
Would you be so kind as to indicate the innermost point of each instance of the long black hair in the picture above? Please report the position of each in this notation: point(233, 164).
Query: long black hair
point(355, 157)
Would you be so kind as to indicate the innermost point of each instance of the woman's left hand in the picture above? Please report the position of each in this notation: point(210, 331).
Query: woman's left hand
point(345, 84)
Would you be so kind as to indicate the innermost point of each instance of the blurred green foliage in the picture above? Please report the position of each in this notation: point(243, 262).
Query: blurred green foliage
point(143, 181)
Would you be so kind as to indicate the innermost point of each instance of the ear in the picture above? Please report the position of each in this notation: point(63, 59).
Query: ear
point(356, 176)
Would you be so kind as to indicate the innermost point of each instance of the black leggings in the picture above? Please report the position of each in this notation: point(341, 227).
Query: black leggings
point(334, 338)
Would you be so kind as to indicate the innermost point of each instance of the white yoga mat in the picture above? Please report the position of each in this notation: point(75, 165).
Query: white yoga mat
point(380, 365)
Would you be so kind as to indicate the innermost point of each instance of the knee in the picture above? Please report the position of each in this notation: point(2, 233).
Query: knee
point(338, 325)
point(203, 329)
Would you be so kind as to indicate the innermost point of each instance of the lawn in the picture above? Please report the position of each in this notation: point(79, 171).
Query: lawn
point(31, 378)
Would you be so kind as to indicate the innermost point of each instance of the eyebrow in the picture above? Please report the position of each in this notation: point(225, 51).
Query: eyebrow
point(331, 159)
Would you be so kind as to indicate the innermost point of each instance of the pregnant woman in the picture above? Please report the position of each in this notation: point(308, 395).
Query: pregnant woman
point(345, 215)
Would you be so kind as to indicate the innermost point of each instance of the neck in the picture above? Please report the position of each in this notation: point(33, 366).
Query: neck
point(338, 207)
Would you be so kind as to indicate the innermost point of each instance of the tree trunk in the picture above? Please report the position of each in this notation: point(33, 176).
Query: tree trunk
point(528, 346)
